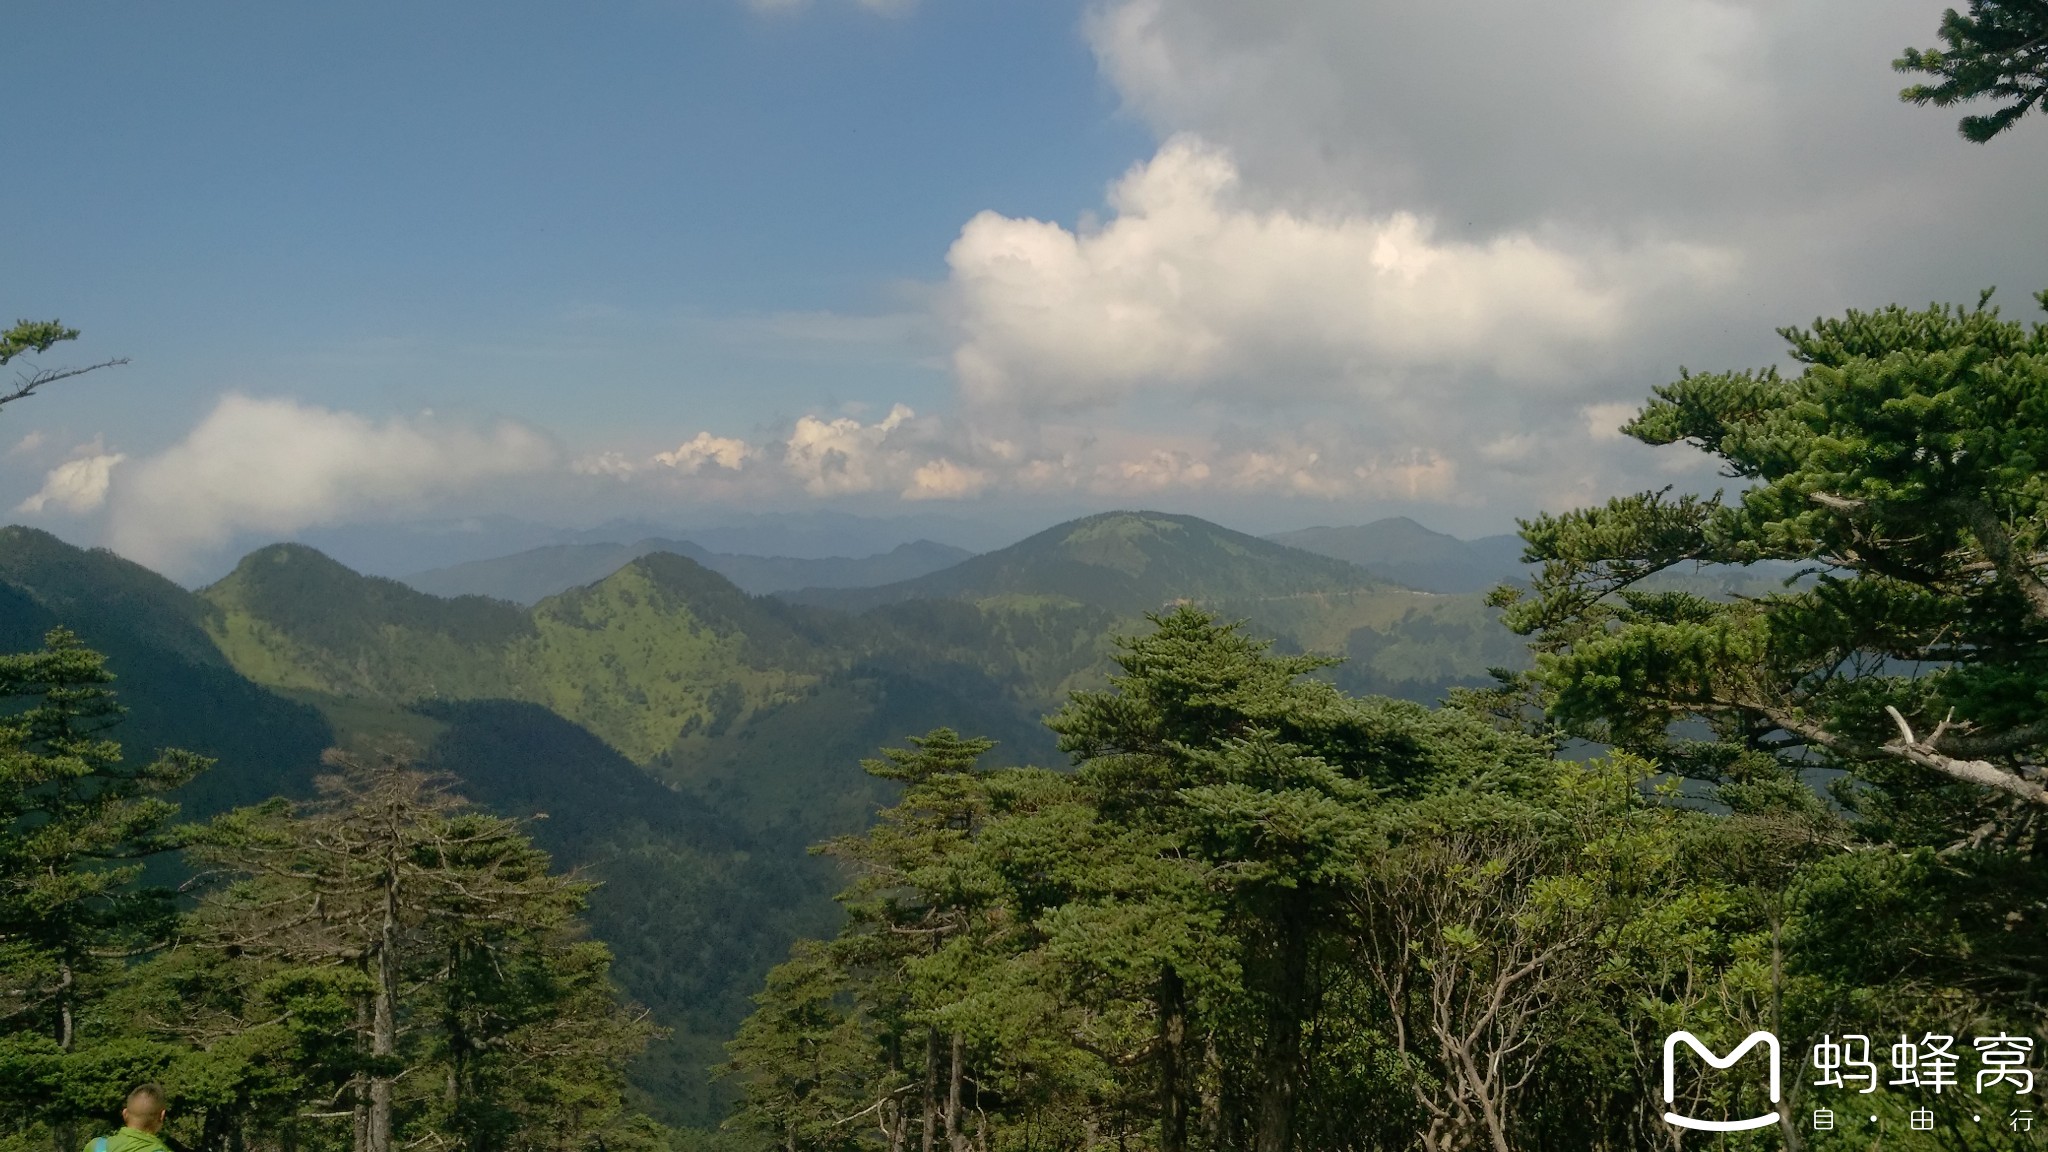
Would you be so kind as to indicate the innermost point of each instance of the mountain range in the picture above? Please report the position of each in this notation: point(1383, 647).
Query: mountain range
point(682, 739)
point(534, 575)
point(1403, 552)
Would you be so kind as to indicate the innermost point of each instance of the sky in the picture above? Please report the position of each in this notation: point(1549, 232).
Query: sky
point(1288, 263)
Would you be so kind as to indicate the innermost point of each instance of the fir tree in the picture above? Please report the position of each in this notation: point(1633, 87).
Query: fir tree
point(1999, 50)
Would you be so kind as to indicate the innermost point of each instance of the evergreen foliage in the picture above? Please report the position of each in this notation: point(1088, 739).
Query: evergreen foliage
point(75, 822)
point(1263, 914)
point(386, 966)
point(1999, 50)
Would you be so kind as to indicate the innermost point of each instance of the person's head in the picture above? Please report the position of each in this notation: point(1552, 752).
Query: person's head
point(145, 1109)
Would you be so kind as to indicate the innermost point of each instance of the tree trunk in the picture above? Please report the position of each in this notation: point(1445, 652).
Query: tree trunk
point(956, 1140)
point(359, 1087)
point(1280, 1059)
point(1212, 1095)
point(1173, 1027)
point(384, 1017)
point(65, 982)
point(929, 1133)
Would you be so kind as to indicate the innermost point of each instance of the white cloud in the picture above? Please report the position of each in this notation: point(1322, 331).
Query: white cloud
point(613, 464)
point(1194, 286)
point(1390, 250)
point(1309, 456)
point(78, 485)
point(27, 444)
point(942, 479)
point(1604, 421)
point(953, 459)
point(843, 456)
point(718, 451)
point(277, 466)
point(1609, 111)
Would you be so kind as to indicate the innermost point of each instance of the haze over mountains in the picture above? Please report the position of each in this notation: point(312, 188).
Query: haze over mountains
point(402, 548)
point(1396, 550)
point(1399, 550)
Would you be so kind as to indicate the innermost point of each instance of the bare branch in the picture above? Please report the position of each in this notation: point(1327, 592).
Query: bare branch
point(28, 382)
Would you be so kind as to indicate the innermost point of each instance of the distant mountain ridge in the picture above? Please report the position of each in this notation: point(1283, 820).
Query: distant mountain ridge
point(1123, 562)
point(534, 575)
point(397, 549)
point(1403, 552)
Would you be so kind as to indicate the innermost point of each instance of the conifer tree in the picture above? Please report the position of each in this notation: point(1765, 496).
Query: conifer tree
point(1901, 469)
point(438, 941)
point(1999, 50)
point(76, 821)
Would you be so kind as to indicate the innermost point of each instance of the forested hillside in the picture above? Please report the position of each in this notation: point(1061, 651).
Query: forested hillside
point(758, 710)
point(693, 904)
point(179, 691)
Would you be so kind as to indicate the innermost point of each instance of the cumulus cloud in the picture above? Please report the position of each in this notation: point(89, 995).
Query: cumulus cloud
point(27, 444)
point(717, 451)
point(843, 456)
point(277, 466)
point(1771, 130)
point(79, 485)
point(1441, 252)
point(931, 458)
point(1661, 108)
point(1192, 285)
point(942, 479)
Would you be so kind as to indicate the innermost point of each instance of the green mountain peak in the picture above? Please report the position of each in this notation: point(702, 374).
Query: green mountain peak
point(93, 590)
point(1127, 562)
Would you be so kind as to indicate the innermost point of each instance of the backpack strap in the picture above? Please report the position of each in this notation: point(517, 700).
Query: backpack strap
point(99, 1144)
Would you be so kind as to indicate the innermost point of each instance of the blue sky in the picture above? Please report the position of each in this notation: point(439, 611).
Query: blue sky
point(1289, 263)
point(232, 193)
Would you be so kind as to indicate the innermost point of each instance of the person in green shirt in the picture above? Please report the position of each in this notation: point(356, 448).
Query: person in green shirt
point(141, 1119)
